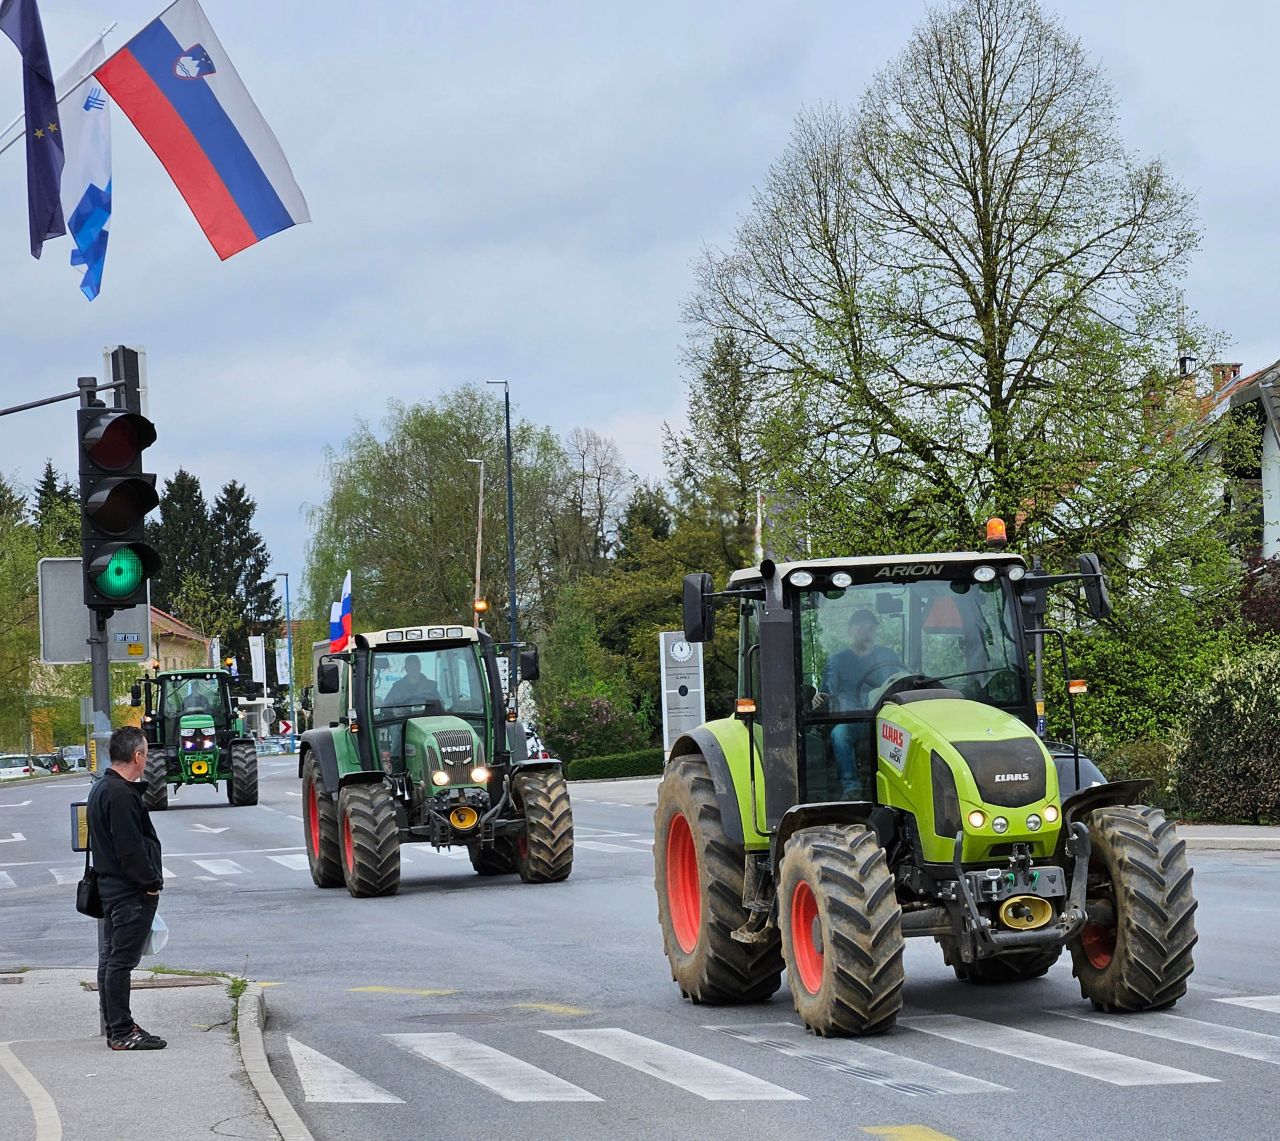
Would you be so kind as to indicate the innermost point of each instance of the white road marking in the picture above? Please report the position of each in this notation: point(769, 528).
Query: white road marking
point(692, 1072)
point(295, 860)
point(1088, 1061)
point(325, 1080)
point(207, 828)
point(858, 1060)
point(1190, 1032)
point(6, 880)
point(297, 818)
point(596, 846)
point(16, 804)
point(220, 867)
point(67, 875)
point(297, 794)
point(169, 875)
point(1268, 1002)
point(13, 838)
point(409, 852)
point(508, 1077)
point(48, 1123)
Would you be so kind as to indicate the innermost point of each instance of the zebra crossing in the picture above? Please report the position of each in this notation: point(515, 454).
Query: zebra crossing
point(891, 1064)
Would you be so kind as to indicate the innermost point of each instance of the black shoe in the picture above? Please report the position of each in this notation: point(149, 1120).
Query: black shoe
point(138, 1039)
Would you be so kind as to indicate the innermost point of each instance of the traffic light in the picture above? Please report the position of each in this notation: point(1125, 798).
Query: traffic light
point(115, 496)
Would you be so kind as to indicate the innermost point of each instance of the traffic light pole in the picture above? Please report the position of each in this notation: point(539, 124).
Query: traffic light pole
point(99, 661)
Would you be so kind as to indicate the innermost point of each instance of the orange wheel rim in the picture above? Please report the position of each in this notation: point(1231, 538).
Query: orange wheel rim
point(684, 893)
point(348, 845)
point(1099, 945)
point(313, 818)
point(805, 934)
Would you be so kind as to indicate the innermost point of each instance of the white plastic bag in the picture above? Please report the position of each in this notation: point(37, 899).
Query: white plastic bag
point(157, 937)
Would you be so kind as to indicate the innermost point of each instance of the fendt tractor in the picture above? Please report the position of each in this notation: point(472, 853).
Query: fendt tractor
point(195, 736)
point(882, 778)
point(412, 743)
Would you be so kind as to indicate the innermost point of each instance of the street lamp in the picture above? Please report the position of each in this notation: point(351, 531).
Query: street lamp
point(511, 550)
point(288, 637)
point(475, 594)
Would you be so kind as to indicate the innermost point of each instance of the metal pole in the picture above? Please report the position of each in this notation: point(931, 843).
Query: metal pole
point(475, 594)
point(288, 638)
point(1036, 565)
point(511, 553)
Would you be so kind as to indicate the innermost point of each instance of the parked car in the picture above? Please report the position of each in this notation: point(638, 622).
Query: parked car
point(16, 765)
point(271, 747)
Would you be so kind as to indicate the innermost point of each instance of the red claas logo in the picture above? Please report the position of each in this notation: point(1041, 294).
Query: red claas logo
point(892, 734)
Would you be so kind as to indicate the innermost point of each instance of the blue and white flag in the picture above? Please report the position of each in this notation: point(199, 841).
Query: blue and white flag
point(86, 177)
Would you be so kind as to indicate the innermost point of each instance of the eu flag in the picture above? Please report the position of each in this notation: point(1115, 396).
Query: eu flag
point(20, 21)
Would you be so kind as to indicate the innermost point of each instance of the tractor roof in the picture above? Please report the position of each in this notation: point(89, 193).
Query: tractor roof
point(966, 558)
point(195, 671)
point(387, 639)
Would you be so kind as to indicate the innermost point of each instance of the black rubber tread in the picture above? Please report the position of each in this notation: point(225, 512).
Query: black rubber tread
point(155, 797)
point(326, 862)
point(548, 819)
point(244, 774)
point(498, 860)
point(370, 812)
point(1009, 967)
point(861, 922)
point(719, 969)
point(1146, 863)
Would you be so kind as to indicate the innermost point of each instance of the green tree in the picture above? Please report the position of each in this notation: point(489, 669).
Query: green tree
point(238, 565)
point(182, 536)
point(198, 604)
point(56, 513)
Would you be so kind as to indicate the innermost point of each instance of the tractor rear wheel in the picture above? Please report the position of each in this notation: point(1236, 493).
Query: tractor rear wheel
point(156, 775)
point(698, 877)
point(1009, 967)
point(841, 931)
point(244, 774)
point(545, 853)
point(498, 860)
point(370, 840)
point(1139, 956)
point(320, 827)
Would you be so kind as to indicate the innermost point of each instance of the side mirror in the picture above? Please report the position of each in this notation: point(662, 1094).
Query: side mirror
point(1095, 587)
point(135, 695)
point(529, 665)
point(327, 678)
point(305, 703)
point(699, 616)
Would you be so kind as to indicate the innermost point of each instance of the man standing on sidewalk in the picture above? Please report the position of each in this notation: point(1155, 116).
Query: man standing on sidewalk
point(126, 856)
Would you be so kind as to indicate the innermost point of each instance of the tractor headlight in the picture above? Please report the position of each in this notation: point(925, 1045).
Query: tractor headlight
point(801, 578)
point(977, 819)
point(1000, 825)
point(841, 579)
point(480, 775)
point(1033, 823)
point(440, 777)
point(984, 573)
point(1051, 813)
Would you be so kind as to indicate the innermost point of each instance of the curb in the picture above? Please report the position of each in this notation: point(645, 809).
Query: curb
point(251, 1018)
point(1238, 843)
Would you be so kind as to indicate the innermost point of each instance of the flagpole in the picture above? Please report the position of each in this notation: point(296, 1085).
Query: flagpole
point(98, 39)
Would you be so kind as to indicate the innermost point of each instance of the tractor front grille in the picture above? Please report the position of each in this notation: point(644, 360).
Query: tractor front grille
point(456, 749)
point(1007, 773)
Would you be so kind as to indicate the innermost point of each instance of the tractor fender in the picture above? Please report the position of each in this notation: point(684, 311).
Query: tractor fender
point(866, 812)
point(702, 740)
point(1090, 775)
point(320, 742)
point(1117, 792)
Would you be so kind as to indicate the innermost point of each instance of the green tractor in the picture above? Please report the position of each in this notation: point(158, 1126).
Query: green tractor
point(194, 736)
point(882, 778)
point(411, 741)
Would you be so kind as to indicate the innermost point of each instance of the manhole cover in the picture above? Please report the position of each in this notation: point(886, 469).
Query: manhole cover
point(10, 978)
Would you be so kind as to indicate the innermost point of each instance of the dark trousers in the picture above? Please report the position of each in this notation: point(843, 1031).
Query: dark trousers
point(125, 927)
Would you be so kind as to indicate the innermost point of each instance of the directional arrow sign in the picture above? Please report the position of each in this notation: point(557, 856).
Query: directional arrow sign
point(206, 828)
point(286, 727)
point(13, 838)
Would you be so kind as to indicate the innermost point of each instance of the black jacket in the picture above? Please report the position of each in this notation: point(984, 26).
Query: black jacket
point(121, 836)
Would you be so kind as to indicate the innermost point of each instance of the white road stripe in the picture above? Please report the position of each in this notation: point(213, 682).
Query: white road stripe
point(858, 1060)
point(1268, 1002)
point(408, 852)
point(6, 880)
point(506, 1076)
point(16, 804)
point(325, 1080)
point(1090, 1062)
point(710, 1080)
point(48, 1123)
point(1191, 1032)
point(297, 818)
point(296, 860)
point(220, 867)
point(67, 875)
point(12, 838)
point(596, 846)
point(169, 875)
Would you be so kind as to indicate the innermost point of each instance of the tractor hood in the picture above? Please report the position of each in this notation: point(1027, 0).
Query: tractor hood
point(447, 744)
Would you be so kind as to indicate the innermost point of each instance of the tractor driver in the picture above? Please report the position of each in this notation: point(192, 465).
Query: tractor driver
point(847, 682)
point(415, 688)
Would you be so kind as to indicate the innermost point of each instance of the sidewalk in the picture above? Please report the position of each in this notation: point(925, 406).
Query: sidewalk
point(60, 1082)
point(1248, 837)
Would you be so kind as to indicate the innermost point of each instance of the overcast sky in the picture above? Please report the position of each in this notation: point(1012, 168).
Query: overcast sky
point(518, 190)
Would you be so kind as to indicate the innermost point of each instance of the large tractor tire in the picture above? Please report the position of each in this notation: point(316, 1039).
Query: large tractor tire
point(545, 853)
point(156, 776)
point(841, 931)
point(1009, 967)
point(369, 839)
point(500, 859)
point(1138, 872)
point(320, 827)
point(698, 874)
point(244, 774)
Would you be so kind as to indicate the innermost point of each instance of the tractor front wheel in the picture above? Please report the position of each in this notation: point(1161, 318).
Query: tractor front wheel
point(1009, 967)
point(320, 827)
point(841, 931)
point(500, 859)
point(244, 774)
point(546, 853)
point(156, 775)
point(1135, 953)
point(369, 840)
point(698, 874)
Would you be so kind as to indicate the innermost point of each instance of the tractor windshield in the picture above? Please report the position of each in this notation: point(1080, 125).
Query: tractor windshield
point(423, 683)
point(193, 695)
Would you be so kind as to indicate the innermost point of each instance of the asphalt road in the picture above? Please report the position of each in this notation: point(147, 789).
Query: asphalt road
point(469, 1007)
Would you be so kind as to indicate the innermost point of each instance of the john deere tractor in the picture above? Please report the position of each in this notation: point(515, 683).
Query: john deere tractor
point(195, 736)
point(882, 778)
point(411, 742)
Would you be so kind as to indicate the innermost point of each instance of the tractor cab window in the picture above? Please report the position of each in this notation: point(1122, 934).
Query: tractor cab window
point(193, 695)
point(423, 683)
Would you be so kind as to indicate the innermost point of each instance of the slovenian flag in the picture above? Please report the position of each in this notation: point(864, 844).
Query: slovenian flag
point(340, 619)
point(178, 87)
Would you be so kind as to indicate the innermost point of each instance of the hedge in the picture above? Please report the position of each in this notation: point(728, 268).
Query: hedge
point(640, 763)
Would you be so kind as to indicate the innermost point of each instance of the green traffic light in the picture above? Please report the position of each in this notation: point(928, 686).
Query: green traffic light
point(123, 576)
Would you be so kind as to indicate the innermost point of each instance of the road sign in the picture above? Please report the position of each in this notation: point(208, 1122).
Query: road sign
point(86, 711)
point(268, 716)
point(286, 727)
point(65, 621)
point(683, 704)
